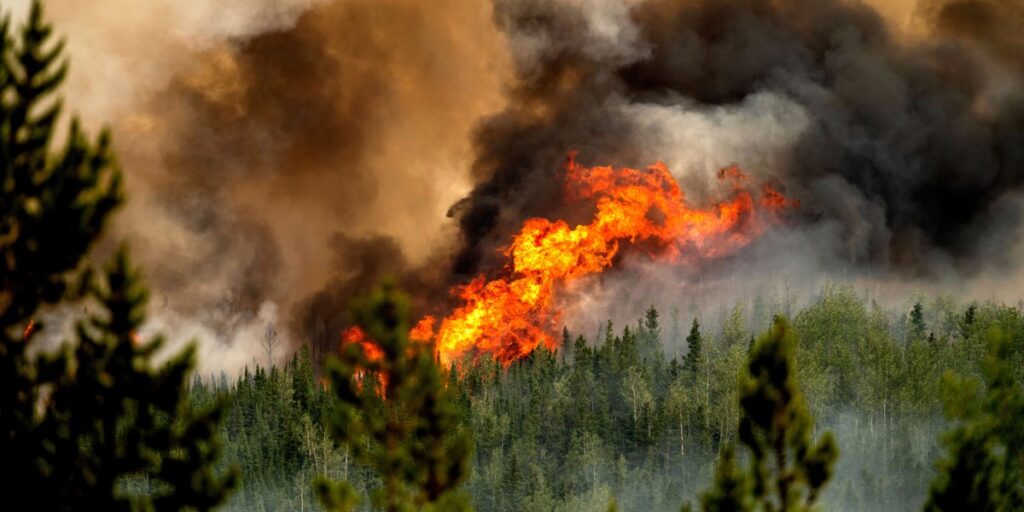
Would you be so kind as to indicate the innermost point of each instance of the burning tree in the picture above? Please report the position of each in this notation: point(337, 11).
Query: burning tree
point(643, 209)
point(95, 425)
point(403, 423)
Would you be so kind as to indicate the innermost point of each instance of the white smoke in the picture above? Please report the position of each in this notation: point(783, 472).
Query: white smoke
point(221, 352)
point(123, 50)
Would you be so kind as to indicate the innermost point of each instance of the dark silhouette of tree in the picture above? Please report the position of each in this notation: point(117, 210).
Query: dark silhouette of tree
point(270, 341)
point(984, 465)
point(694, 355)
point(408, 430)
point(93, 426)
point(787, 468)
point(566, 347)
point(917, 326)
point(730, 491)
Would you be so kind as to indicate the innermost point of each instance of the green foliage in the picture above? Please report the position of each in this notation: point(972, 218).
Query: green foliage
point(112, 418)
point(408, 430)
point(787, 469)
point(984, 466)
point(553, 434)
point(917, 325)
point(695, 346)
point(52, 206)
point(93, 426)
point(730, 491)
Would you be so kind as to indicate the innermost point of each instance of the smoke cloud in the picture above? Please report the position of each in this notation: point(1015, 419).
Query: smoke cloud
point(900, 136)
point(292, 152)
point(257, 136)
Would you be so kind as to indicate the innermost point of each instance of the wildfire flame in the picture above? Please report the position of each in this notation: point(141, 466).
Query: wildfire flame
point(373, 352)
point(510, 316)
point(357, 336)
point(28, 329)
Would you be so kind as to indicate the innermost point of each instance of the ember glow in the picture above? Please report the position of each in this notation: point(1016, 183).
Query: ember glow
point(510, 316)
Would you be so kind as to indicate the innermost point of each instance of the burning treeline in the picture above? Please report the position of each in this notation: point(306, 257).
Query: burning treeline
point(507, 317)
point(879, 133)
point(899, 136)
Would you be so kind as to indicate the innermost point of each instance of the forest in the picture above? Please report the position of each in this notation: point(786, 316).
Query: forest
point(643, 413)
point(838, 400)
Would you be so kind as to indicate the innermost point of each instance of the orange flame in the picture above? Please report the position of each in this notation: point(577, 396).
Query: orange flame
point(373, 352)
point(423, 331)
point(511, 316)
point(356, 335)
point(28, 329)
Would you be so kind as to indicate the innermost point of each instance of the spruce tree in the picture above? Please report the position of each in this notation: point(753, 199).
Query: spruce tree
point(93, 426)
point(694, 355)
point(730, 491)
point(408, 430)
point(650, 336)
point(566, 347)
point(984, 465)
point(917, 326)
point(787, 468)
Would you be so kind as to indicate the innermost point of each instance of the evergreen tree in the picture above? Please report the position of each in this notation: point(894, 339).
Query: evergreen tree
point(115, 418)
point(917, 327)
point(967, 323)
point(695, 346)
point(650, 336)
point(566, 347)
point(93, 426)
point(984, 465)
point(730, 491)
point(651, 325)
point(609, 335)
point(410, 435)
point(787, 469)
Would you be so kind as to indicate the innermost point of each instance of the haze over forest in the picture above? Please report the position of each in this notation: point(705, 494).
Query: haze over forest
point(513, 254)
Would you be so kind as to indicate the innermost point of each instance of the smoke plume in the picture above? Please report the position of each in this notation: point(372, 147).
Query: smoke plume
point(294, 152)
point(909, 148)
point(258, 137)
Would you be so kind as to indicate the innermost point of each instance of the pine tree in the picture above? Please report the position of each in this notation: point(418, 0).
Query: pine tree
point(730, 491)
point(967, 323)
point(787, 469)
point(984, 465)
point(650, 336)
point(566, 347)
point(115, 416)
point(93, 426)
point(917, 326)
point(694, 359)
point(411, 435)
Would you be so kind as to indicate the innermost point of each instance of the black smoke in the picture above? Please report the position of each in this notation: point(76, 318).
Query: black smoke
point(914, 144)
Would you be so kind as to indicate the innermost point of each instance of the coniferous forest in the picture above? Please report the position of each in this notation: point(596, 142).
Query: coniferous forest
point(833, 399)
point(904, 394)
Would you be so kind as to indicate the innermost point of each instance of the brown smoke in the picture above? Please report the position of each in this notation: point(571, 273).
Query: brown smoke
point(289, 152)
point(255, 133)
